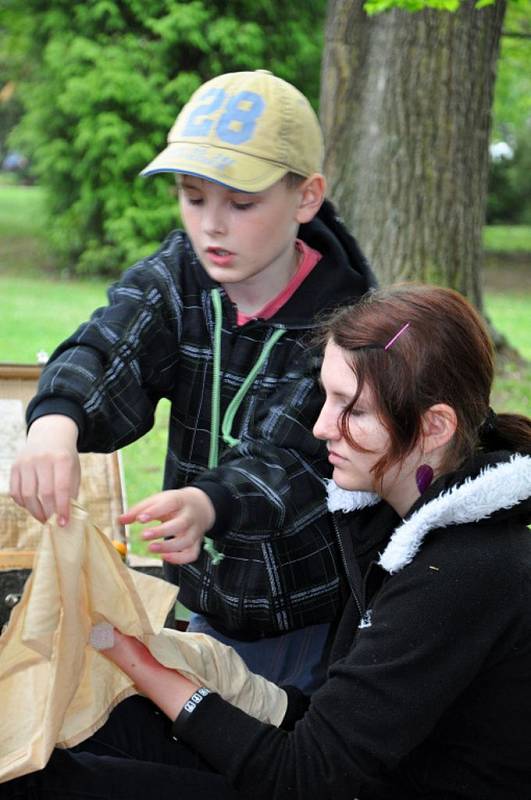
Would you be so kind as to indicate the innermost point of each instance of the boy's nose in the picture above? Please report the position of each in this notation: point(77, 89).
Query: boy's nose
point(214, 222)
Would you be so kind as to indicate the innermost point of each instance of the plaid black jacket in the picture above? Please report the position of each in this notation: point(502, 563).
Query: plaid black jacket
point(155, 339)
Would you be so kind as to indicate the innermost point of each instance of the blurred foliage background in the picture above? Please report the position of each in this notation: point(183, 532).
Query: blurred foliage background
point(509, 200)
point(97, 86)
point(89, 90)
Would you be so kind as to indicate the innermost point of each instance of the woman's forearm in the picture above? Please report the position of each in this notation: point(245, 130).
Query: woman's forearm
point(167, 688)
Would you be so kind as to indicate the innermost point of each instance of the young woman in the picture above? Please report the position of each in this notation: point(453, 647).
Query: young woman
point(429, 686)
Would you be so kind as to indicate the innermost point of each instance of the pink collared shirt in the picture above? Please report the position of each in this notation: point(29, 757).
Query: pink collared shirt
point(308, 258)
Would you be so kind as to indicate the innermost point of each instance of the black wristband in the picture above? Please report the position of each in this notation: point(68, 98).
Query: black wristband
point(188, 709)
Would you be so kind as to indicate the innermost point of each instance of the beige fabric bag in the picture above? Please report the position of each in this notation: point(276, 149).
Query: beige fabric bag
point(56, 689)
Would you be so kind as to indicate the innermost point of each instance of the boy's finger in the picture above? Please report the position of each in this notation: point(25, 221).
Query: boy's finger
point(62, 503)
point(47, 501)
point(146, 509)
point(33, 505)
point(65, 487)
point(135, 514)
point(46, 491)
point(29, 496)
point(151, 510)
point(14, 486)
point(187, 556)
point(174, 527)
point(127, 517)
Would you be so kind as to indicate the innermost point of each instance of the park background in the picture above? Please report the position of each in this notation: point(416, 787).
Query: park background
point(88, 92)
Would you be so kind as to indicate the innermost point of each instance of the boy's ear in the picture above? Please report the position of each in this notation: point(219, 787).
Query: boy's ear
point(312, 194)
point(439, 424)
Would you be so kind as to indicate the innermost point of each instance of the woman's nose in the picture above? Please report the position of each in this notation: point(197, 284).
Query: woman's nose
point(326, 426)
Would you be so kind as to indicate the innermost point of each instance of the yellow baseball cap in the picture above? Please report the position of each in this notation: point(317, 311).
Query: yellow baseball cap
point(245, 130)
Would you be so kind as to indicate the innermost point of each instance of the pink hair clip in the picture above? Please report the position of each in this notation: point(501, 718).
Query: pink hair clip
point(395, 337)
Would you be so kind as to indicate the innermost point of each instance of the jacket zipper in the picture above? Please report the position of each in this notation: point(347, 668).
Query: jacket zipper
point(345, 565)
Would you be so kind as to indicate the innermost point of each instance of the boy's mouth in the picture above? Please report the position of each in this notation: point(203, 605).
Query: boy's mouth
point(219, 256)
point(219, 251)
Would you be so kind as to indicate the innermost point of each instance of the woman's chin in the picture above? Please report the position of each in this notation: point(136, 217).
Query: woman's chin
point(349, 482)
point(343, 481)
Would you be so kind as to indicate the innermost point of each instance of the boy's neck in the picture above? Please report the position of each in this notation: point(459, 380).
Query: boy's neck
point(254, 293)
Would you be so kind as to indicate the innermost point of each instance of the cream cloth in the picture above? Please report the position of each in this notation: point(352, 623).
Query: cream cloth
point(56, 689)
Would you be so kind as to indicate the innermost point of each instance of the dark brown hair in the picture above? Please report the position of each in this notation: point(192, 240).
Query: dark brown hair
point(293, 181)
point(444, 356)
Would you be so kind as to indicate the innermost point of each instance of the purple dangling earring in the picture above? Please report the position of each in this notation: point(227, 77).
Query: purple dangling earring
point(423, 477)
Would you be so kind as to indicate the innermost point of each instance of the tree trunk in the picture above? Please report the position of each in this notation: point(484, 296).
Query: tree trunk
point(405, 108)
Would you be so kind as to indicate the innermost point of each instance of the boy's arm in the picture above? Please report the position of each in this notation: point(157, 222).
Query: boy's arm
point(103, 383)
point(109, 375)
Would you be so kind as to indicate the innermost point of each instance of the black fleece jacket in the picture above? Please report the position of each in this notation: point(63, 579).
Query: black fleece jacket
point(429, 689)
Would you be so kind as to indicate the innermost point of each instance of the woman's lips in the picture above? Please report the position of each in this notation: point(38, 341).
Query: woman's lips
point(334, 457)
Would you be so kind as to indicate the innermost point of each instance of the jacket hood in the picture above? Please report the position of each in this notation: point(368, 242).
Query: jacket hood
point(342, 275)
point(493, 487)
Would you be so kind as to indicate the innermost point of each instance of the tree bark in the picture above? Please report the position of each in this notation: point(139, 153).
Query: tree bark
point(405, 107)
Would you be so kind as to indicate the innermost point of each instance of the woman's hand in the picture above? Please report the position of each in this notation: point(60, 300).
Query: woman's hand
point(167, 688)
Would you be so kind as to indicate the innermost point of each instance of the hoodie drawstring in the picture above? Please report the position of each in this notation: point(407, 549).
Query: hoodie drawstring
point(235, 403)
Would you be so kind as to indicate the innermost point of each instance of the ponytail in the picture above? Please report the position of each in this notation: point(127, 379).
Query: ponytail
point(506, 432)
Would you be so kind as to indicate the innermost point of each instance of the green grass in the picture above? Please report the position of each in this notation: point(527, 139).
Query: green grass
point(22, 208)
point(511, 314)
point(507, 238)
point(144, 467)
point(37, 313)
point(38, 310)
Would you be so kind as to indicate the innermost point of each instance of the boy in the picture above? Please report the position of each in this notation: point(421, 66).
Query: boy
point(218, 321)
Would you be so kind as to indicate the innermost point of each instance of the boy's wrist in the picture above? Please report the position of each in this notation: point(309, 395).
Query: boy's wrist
point(223, 503)
point(55, 432)
point(57, 406)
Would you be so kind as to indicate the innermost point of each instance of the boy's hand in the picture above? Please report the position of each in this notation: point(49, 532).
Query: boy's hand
point(46, 473)
point(186, 515)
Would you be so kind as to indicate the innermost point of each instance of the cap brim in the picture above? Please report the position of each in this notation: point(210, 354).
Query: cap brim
point(221, 165)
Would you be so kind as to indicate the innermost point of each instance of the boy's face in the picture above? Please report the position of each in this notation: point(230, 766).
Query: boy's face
point(239, 236)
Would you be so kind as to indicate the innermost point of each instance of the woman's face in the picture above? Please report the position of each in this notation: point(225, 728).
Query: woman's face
point(352, 468)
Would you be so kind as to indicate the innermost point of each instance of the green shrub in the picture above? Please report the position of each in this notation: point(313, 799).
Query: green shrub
point(109, 78)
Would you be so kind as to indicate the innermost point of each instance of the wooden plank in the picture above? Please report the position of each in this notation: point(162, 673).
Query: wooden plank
point(21, 372)
point(16, 559)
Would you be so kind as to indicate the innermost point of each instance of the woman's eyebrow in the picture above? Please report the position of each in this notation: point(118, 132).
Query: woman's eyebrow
point(337, 394)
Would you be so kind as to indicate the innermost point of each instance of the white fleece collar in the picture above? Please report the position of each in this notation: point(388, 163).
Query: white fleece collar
point(342, 500)
point(503, 485)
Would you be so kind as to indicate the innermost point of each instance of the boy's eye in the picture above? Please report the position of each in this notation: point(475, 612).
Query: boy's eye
point(242, 206)
point(194, 201)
